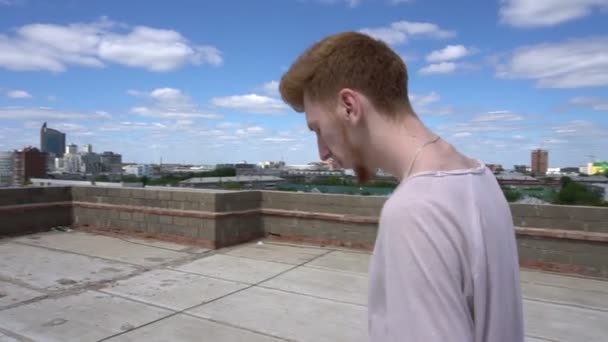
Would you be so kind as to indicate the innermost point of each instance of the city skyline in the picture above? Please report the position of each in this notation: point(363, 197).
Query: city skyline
point(198, 83)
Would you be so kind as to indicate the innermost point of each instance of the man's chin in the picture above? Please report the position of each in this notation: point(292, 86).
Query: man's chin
point(363, 174)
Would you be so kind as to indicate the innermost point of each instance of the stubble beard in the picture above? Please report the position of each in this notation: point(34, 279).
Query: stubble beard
point(362, 171)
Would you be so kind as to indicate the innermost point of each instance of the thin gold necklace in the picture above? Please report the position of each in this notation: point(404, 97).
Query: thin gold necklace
point(409, 170)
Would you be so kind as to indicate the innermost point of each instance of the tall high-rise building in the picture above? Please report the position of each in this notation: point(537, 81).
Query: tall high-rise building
point(540, 161)
point(52, 142)
point(111, 162)
point(72, 149)
point(87, 148)
point(7, 161)
point(29, 163)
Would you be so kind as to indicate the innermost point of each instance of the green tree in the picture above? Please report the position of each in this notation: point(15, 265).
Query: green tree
point(231, 185)
point(102, 178)
point(512, 195)
point(382, 184)
point(573, 193)
point(129, 179)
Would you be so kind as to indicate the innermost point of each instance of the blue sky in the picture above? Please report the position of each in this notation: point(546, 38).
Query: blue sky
point(196, 81)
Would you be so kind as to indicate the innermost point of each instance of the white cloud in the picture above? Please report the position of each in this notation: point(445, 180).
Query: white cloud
point(169, 103)
point(442, 110)
point(355, 3)
point(350, 3)
point(137, 93)
point(462, 135)
point(277, 139)
point(481, 127)
point(271, 88)
point(399, 32)
point(170, 95)
point(570, 64)
point(24, 113)
point(519, 137)
point(131, 126)
point(251, 131)
point(438, 68)
point(12, 2)
point(173, 113)
point(498, 116)
point(251, 103)
point(19, 94)
point(53, 47)
point(424, 100)
point(450, 52)
point(591, 102)
point(580, 129)
point(537, 13)
point(225, 125)
point(422, 104)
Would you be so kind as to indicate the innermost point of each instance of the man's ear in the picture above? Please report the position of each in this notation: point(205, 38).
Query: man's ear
point(349, 106)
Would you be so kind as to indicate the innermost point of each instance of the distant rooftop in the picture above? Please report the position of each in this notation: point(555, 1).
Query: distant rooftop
point(76, 286)
point(238, 179)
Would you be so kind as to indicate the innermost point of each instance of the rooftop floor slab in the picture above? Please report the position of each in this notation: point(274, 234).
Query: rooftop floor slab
point(76, 286)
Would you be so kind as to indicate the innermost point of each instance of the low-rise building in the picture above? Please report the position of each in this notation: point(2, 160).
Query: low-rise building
point(7, 165)
point(111, 162)
point(140, 170)
point(238, 182)
point(597, 168)
point(29, 162)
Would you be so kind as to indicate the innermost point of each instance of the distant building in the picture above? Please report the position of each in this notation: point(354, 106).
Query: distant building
point(520, 168)
point(602, 189)
point(271, 164)
point(244, 182)
point(111, 162)
point(540, 161)
point(72, 161)
point(59, 165)
point(597, 168)
point(563, 171)
point(566, 170)
point(139, 170)
point(29, 162)
point(91, 163)
point(514, 179)
point(7, 161)
point(52, 142)
point(87, 148)
point(71, 149)
point(495, 167)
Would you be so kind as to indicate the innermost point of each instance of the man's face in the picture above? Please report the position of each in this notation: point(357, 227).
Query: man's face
point(335, 140)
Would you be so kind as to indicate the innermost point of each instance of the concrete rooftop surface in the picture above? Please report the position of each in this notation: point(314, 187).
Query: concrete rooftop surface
point(77, 286)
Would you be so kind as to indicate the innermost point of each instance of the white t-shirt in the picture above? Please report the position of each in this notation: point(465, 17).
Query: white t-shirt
point(445, 264)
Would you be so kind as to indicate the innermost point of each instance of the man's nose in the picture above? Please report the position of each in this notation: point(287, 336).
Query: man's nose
point(324, 152)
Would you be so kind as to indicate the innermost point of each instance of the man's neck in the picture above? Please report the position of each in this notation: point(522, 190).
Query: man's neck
point(395, 143)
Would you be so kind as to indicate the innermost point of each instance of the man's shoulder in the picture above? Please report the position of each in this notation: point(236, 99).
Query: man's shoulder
point(408, 208)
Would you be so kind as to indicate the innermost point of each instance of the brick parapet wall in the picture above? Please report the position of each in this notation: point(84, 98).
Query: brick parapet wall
point(557, 238)
point(28, 210)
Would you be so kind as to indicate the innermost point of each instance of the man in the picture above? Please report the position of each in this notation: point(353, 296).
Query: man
point(445, 265)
